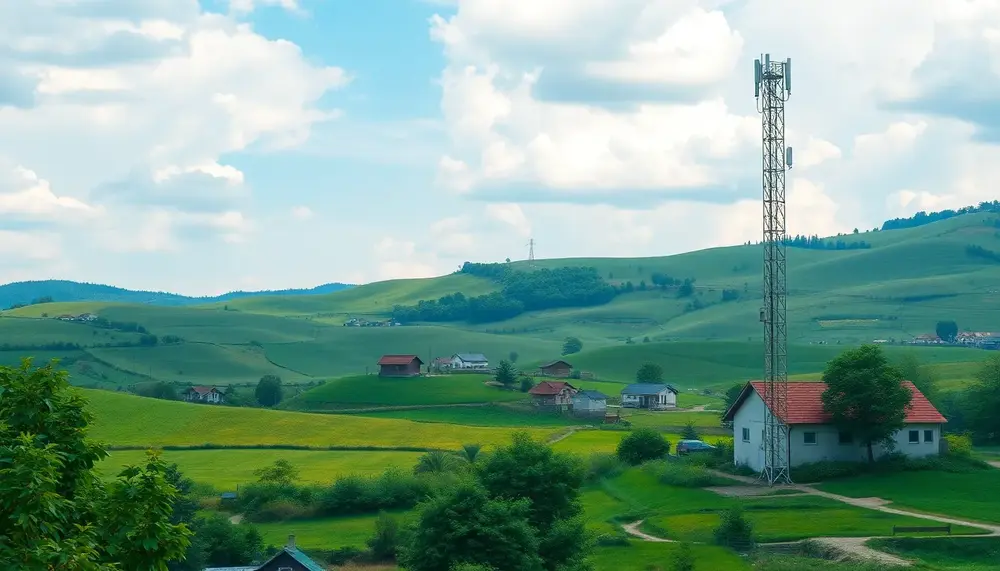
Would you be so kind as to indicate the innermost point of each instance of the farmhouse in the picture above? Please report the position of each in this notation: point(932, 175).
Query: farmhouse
point(590, 403)
point(399, 366)
point(556, 369)
point(553, 393)
point(469, 361)
point(812, 438)
point(288, 559)
point(441, 364)
point(654, 396)
point(204, 394)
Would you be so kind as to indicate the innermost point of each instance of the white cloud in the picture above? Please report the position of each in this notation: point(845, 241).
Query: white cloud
point(302, 212)
point(247, 6)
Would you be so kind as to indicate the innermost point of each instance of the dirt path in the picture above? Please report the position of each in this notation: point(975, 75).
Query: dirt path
point(633, 530)
point(570, 432)
point(994, 463)
point(856, 547)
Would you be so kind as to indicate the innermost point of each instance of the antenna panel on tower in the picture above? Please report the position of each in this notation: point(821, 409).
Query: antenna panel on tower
point(788, 75)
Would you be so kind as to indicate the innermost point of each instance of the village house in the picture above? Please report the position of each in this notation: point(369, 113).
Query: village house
point(590, 403)
point(556, 369)
point(654, 396)
point(288, 559)
point(399, 366)
point(811, 436)
point(441, 364)
point(926, 339)
point(473, 361)
point(553, 394)
point(209, 395)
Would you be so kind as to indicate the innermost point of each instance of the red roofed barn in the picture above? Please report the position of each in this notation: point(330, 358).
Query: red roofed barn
point(553, 393)
point(399, 366)
point(811, 436)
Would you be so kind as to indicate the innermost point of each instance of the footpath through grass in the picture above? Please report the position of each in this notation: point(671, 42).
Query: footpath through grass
point(972, 494)
point(126, 420)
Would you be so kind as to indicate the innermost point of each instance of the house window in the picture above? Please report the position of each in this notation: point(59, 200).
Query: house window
point(914, 437)
point(746, 435)
point(809, 438)
point(845, 438)
point(928, 436)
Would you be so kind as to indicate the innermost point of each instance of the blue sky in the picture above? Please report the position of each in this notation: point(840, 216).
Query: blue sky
point(250, 144)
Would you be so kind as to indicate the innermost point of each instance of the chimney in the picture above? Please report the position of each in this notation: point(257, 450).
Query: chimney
point(291, 542)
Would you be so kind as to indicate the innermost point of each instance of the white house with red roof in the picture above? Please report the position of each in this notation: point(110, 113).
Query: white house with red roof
point(811, 436)
point(553, 393)
point(204, 394)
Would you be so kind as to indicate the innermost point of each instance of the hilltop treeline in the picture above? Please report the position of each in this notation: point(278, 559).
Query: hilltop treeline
point(521, 291)
point(921, 218)
point(980, 252)
point(814, 242)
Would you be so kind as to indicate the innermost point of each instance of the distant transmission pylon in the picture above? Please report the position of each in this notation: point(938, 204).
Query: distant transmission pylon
point(772, 88)
point(531, 252)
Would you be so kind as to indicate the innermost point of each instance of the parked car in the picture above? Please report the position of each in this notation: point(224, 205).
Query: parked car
point(692, 446)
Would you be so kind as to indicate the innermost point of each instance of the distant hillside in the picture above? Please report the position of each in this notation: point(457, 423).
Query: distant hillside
point(26, 293)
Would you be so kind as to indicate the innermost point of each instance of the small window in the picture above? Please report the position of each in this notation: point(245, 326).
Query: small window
point(845, 438)
point(928, 436)
point(914, 437)
point(746, 435)
point(809, 437)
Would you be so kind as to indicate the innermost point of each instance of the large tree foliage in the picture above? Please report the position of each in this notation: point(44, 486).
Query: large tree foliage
point(505, 374)
point(865, 395)
point(649, 373)
point(984, 399)
point(642, 445)
point(54, 511)
point(919, 374)
point(572, 345)
point(268, 391)
point(946, 330)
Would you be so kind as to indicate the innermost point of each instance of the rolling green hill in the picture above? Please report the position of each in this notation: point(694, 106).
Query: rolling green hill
point(899, 287)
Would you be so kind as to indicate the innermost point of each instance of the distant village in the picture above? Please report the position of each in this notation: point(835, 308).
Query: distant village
point(974, 339)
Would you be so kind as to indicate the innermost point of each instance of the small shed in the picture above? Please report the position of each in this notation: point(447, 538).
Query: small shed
point(590, 403)
point(556, 369)
point(654, 396)
point(399, 366)
point(553, 393)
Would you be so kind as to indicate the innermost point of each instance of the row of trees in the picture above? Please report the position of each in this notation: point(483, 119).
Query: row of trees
point(814, 242)
point(921, 218)
point(521, 291)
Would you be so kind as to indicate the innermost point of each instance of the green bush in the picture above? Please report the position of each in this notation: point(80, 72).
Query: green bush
point(683, 559)
point(601, 465)
point(959, 445)
point(641, 446)
point(685, 474)
point(896, 462)
point(734, 531)
point(384, 544)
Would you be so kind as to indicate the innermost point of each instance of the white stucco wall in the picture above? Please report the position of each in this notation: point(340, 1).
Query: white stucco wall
point(665, 397)
point(827, 445)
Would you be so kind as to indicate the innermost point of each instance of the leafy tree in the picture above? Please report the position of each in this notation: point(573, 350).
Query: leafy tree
point(919, 374)
point(513, 356)
point(505, 374)
point(689, 432)
point(642, 445)
point(733, 393)
point(572, 345)
point(268, 391)
point(225, 544)
point(734, 531)
point(683, 558)
point(470, 452)
point(527, 383)
point(159, 390)
point(649, 373)
point(466, 526)
point(383, 545)
point(55, 513)
point(435, 462)
point(984, 398)
point(865, 395)
point(946, 330)
point(279, 472)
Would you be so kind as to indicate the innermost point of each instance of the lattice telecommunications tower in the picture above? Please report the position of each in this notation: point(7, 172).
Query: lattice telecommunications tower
point(772, 87)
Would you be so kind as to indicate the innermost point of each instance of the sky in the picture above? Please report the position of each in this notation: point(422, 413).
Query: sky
point(203, 147)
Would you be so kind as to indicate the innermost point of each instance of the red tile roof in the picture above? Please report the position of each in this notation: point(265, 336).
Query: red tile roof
point(549, 388)
point(805, 404)
point(397, 359)
point(202, 390)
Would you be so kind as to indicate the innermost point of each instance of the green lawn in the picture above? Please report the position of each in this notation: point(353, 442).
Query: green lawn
point(374, 391)
point(321, 534)
point(646, 556)
point(492, 415)
point(227, 469)
point(126, 420)
point(692, 514)
point(969, 495)
point(946, 554)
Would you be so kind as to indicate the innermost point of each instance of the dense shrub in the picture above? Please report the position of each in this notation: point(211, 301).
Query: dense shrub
point(384, 543)
point(959, 445)
point(642, 445)
point(685, 474)
point(602, 465)
point(896, 462)
point(734, 531)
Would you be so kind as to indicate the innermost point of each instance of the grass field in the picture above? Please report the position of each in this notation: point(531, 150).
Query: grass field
point(524, 416)
point(970, 495)
point(226, 469)
point(372, 390)
point(946, 554)
point(125, 420)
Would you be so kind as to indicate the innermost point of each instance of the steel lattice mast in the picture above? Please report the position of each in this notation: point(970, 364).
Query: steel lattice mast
point(772, 88)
